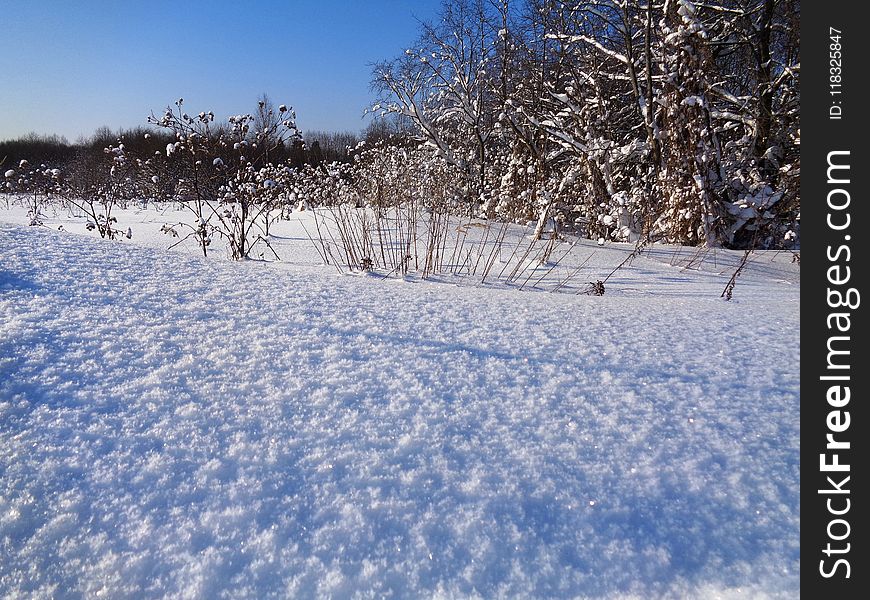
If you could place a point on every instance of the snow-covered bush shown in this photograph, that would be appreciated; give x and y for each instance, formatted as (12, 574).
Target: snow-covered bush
(386, 210)
(225, 174)
(33, 187)
(97, 184)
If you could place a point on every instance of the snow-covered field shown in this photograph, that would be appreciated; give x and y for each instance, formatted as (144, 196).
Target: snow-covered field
(188, 427)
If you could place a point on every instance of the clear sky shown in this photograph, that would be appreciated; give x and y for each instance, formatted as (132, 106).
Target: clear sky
(71, 66)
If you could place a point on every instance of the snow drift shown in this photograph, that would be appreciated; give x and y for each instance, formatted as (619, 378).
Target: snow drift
(190, 428)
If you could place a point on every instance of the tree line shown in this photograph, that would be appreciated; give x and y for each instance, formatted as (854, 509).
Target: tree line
(314, 147)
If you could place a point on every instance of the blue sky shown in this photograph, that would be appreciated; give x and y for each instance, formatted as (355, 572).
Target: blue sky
(72, 66)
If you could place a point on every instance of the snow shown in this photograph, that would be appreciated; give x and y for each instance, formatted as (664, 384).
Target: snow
(686, 9)
(189, 427)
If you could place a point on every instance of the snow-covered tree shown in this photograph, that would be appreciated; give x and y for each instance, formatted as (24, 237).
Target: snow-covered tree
(672, 120)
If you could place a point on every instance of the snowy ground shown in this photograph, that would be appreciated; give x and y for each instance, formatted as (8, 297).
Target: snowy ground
(188, 427)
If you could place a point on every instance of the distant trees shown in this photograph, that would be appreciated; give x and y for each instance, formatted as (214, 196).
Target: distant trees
(385, 126)
(36, 149)
(332, 146)
(56, 151)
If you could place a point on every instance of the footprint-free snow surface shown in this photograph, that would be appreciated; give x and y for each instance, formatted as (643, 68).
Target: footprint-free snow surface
(175, 426)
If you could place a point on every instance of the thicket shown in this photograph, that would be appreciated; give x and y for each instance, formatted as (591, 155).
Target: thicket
(667, 121)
